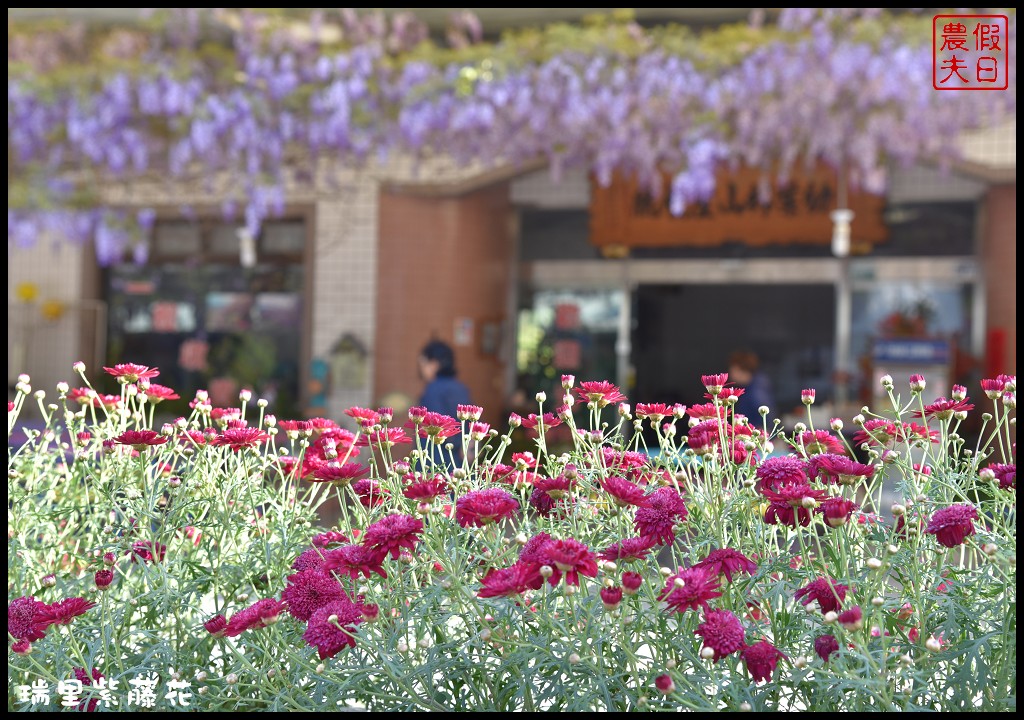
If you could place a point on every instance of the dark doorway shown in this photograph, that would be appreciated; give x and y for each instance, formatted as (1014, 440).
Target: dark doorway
(681, 332)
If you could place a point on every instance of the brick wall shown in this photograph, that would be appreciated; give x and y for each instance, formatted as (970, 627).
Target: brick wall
(999, 259)
(442, 258)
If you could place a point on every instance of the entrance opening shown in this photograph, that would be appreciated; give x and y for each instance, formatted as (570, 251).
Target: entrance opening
(684, 331)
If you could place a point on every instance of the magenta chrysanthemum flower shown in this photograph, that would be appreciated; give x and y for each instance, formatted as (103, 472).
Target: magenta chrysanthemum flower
(690, 588)
(216, 625)
(611, 597)
(659, 515)
(311, 559)
(722, 632)
(726, 561)
(240, 438)
(601, 392)
(761, 660)
(148, 551)
(704, 437)
(334, 472)
(570, 557)
(369, 492)
(391, 534)
(158, 393)
(22, 622)
(438, 427)
(952, 525)
(557, 488)
(631, 582)
(505, 582)
(816, 442)
(826, 646)
(794, 494)
(542, 502)
(852, 619)
(483, 507)
(714, 383)
(62, 612)
(140, 439)
(837, 511)
(332, 628)
(828, 593)
(780, 513)
(361, 414)
(664, 684)
(130, 372)
(260, 614)
(839, 469)
(331, 537)
(355, 560)
(624, 492)
(655, 412)
(635, 548)
(308, 591)
(707, 411)
(1005, 474)
(778, 471)
(103, 578)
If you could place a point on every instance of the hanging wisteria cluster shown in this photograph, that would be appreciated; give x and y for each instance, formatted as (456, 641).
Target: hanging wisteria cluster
(852, 89)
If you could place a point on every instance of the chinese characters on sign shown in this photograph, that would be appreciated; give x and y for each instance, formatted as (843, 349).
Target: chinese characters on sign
(143, 692)
(970, 52)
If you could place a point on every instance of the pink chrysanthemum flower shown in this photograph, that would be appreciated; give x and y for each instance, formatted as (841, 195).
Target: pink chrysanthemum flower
(131, 373)
(557, 488)
(309, 591)
(704, 437)
(505, 582)
(370, 492)
(655, 412)
(332, 628)
(722, 632)
(260, 614)
(826, 646)
(483, 507)
(714, 383)
(321, 425)
(778, 471)
(62, 612)
(140, 439)
(438, 427)
(158, 393)
(876, 431)
(952, 525)
(624, 492)
(22, 618)
(816, 442)
(761, 660)
(391, 534)
(427, 490)
(363, 415)
(570, 557)
(827, 592)
(635, 548)
(222, 416)
(726, 561)
(216, 625)
(601, 392)
(837, 511)
(707, 411)
(353, 561)
(943, 408)
(341, 475)
(659, 515)
(384, 437)
(839, 469)
(690, 589)
(726, 393)
(534, 421)
(241, 438)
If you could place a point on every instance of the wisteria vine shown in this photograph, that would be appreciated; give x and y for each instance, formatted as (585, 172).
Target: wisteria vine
(850, 88)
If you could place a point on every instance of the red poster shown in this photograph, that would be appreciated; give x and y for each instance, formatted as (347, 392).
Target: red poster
(567, 316)
(567, 354)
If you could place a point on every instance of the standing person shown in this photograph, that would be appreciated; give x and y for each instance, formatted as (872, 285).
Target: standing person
(443, 392)
(744, 370)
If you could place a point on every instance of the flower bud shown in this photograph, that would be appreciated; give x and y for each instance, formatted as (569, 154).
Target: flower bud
(933, 644)
(807, 396)
(231, 679)
(836, 424)
(873, 563)
(574, 659)
(886, 381)
(745, 706)
(78, 367)
(830, 617)
(49, 580)
(707, 652)
(763, 410)
(568, 381)
(664, 683)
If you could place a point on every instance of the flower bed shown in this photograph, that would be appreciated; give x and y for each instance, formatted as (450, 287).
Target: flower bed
(181, 566)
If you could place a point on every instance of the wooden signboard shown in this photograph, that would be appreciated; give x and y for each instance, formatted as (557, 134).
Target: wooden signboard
(797, 212)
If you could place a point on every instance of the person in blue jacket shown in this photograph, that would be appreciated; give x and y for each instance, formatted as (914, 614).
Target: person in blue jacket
(443, 392)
